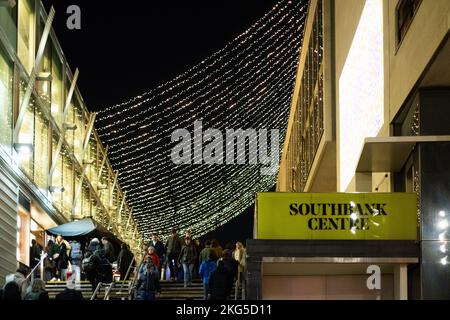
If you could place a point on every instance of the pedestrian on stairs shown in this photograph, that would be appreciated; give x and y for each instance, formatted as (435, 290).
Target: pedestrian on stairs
(148, 282)
(172, 253)
(187, 258)
(207, 267)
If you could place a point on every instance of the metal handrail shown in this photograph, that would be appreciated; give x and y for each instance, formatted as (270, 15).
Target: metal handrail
(133, 282)
(96, 290)
(107, 293)
(43, 256)
(127, 273)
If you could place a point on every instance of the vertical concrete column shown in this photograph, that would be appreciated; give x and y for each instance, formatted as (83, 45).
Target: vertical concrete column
(401, 282)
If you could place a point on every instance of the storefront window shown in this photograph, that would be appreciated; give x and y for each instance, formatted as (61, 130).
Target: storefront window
(6, 92)
(41, 161)
(26, 36)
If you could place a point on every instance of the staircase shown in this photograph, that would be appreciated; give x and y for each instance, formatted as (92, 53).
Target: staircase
(175, 291)
(117, 292)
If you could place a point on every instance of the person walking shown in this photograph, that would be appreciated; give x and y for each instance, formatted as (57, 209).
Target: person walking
(187, 258)
(148, 282)
(220, 282)
(159, 249)
(35, 256)
(76, 257)
(172, 253)
(217, 248)
(240, 256)
(154, 257)
(49, 266)
(109, 250)
(207, 252)
(207, 267)
(70, 293)
(123, 261)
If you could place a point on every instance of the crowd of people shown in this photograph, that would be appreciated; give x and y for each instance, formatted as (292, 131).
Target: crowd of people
(180, 258)
(186, 259)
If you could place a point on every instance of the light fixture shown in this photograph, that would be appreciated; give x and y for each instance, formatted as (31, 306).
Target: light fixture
(442, 236)
(444, 261)
(354, 216)
(44, 76)
(101, 186)
(443, 248)
(56, 189)
(352, 204)
(88, 162)
(353, 230)
(70, 126)
(442, 213)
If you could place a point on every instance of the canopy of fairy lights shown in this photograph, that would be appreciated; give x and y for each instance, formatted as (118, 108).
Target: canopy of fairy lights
(247, 84)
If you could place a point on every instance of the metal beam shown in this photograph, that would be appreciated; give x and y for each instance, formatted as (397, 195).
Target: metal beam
(89, 132)
(63, 119)
(128, 222)
(105, 156)
(78, 191)
(70, 94)
(119, 213)
(116, 175)
(32, 80)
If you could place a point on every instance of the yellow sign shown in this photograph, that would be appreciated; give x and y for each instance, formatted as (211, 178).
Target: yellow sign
(336, 216)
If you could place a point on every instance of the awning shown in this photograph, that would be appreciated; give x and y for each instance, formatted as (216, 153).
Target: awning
(389, 154)
(83, 228)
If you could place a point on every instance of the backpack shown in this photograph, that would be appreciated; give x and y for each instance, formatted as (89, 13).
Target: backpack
(75, 253)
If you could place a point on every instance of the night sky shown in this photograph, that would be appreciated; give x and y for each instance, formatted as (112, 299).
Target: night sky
(126, 48)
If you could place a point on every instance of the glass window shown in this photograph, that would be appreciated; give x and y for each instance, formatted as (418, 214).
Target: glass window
(41, 161)
(70, 120)
(406, 11)
(26, 136)
(57, 87)
(68, 186)
(26, 36)
(43, 87)
(79, 133)
(6, 94)
(8, 22)
(57, 178)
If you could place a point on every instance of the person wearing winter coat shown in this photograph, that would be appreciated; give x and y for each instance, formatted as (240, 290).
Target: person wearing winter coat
(187, 258)
(109, 250)
(124, 260)
(22, 282)
(154, 257)
(206, 268)
(172, 252)
(148, 282)
(220, 282)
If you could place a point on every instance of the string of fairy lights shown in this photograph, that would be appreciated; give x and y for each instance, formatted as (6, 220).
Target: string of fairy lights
(248, 84)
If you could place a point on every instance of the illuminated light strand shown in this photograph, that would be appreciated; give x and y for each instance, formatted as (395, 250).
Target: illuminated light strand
(120, 147)
(126, 184)
(154, 212)
(202, 63)
(165, 112)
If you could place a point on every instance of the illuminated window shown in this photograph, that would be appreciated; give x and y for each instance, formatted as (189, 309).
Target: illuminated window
(56, 87)
(6, 94)
(57, 178)
(26, 136)
(26, 34)
(41, 160)
(406, 10)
